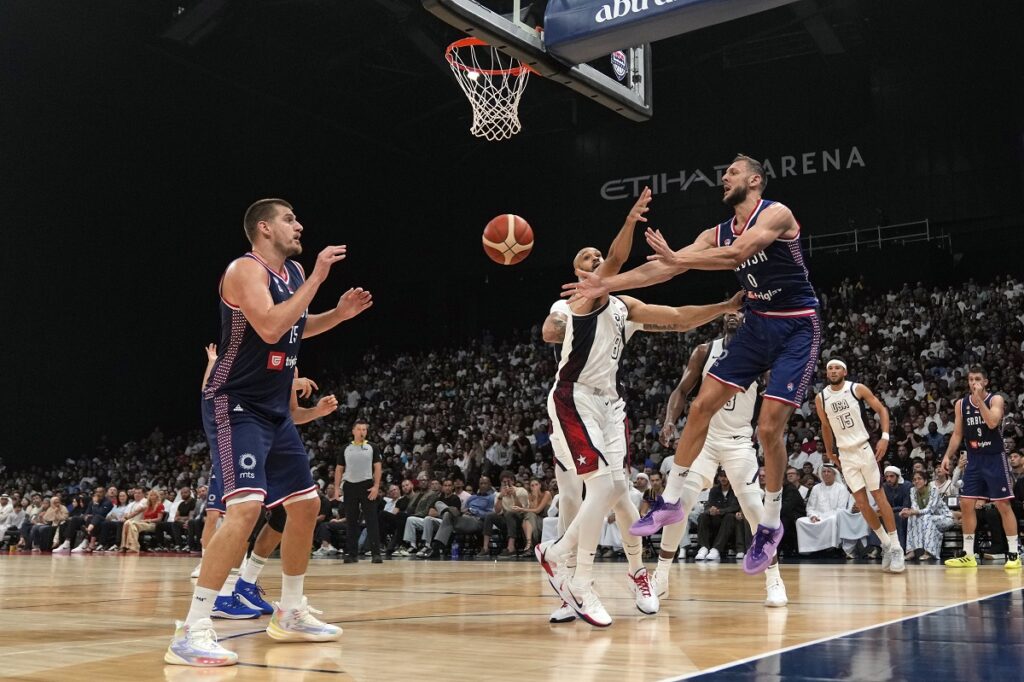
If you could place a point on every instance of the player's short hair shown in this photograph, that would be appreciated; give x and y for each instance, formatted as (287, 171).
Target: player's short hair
(756, 166)
(978, 369)
(259, 211)
(360, 420)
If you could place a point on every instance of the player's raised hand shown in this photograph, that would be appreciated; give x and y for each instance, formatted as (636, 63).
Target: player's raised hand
(325, 259)
(353, 302)
(590, 286)
(736, 302)
(668, 432)
(211, 352)
(327, 404)
(636, 214)
(662, 251)
(304, 387)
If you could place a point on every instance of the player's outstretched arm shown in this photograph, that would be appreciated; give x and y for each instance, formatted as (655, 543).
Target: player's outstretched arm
(592, 285)
(245, 286)
(681, 319)
(351, 303)
(773, 223)
(883, 413)
(826, 431)
(620, 247)
(955, 438)
(677, 400)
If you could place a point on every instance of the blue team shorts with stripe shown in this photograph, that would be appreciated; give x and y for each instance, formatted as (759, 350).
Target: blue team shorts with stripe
(788, 346)
(987, 477)
(254, 455)
(215, 493)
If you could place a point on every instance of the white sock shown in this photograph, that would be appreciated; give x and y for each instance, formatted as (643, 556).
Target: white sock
(251, 570)
(771, 574)
(969, 544)
(291, 590)
(772, 509)
(674, 487)
(664, 565)
(585, 530)
(202, 605)
(1011, 543)
(894, 541)
(883, 537)
(229, 584)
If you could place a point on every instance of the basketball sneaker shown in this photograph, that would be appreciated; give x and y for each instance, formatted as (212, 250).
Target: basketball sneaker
(646, 600)
(197, 645)
(776, 597)
(1012, 561)
(762, 549)
(563, 614)
(897, 562)
(661, 514)
(300, 625)
(659, 581)
(195, 571)
(962, 560)
(887, 555)
(549, 566)
(251, 595)
(232, 608)
(584, 601)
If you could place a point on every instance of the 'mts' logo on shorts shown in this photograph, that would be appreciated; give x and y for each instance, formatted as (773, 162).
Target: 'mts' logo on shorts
(275, 361)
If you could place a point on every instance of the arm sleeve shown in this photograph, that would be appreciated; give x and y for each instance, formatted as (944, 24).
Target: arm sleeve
(376, 455)
(341, 458)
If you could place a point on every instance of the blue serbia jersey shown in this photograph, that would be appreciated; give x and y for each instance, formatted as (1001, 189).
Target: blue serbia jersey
(249, 370)
(979, 438)
(776, 279)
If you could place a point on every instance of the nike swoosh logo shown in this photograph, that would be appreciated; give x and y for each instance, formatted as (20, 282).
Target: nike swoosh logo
(577, 601)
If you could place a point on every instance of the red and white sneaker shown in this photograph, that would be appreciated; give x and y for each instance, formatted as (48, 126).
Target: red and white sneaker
(646, 600)
(584, 601)
(563, 614)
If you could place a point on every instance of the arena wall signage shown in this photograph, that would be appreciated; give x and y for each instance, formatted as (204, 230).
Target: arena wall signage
(806, 163)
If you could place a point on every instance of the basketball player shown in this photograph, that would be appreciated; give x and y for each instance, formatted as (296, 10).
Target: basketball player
(257, 453)
(782, 333)
(588, 420)
(979, 418)
(729, 446)
(841, 411)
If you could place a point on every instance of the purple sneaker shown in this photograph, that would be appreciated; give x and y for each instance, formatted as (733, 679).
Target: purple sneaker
(661, 514)
(762, 549)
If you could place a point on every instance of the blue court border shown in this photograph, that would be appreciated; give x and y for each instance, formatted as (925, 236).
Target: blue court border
(971, 640)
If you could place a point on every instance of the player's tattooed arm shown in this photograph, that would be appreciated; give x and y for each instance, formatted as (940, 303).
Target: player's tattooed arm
(553, 330)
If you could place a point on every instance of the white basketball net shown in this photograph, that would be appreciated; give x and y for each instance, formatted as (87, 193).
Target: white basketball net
(493, 83)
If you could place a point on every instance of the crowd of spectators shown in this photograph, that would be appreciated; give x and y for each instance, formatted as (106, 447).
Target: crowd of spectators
(472, 416)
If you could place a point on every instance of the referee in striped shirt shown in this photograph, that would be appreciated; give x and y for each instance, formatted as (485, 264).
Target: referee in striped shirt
(357, 476)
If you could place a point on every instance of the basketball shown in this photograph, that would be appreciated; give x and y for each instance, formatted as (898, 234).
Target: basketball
(508, 239)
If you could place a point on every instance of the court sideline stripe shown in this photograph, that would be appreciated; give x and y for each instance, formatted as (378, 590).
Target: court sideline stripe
(821, 640)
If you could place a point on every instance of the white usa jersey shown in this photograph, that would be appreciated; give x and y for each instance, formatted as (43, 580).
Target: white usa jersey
(593, 346)
(736, 418)
(845, 414)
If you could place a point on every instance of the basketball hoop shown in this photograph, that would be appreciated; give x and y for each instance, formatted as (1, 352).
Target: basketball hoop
(493, 83)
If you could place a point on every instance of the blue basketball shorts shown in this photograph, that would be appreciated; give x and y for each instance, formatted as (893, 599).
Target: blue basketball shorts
(987, 477)
(215, 493)
(788, 346)
(254, 455)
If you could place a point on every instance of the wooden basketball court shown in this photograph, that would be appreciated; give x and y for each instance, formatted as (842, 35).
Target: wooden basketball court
(110, 618)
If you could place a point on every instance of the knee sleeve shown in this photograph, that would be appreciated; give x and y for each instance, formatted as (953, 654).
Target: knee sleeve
(276, 518)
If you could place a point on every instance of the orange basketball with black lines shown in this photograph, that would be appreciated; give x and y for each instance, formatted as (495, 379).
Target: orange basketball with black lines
(508, 239)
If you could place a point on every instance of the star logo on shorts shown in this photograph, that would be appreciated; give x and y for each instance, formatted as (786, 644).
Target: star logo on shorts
(582, 460)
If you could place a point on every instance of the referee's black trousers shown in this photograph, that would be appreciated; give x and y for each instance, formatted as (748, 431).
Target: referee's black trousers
(356, 504)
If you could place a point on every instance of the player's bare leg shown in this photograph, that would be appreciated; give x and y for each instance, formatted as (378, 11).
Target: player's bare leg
(969, 524)
(771, 424)
(209, 528)
(883, 525)
(681, 494)
(292, 620)
(1010, 528)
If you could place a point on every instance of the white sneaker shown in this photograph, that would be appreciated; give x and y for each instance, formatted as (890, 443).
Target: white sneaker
(713, 555)
(777, 597)
(886, 558)
(197, 646)
(702, 554)
(563, 614)
(897, 564)
(322, 553)
(195, 571)
(739, 556)
(646, 600)
(64, 547)
(659, 581)
(300, 625)
(585, 602)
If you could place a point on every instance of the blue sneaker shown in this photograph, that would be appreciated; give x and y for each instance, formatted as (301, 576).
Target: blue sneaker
(251, 595)
(300, 625)
(232, 608)
(197, 646)
(762, 549)
(661, 514)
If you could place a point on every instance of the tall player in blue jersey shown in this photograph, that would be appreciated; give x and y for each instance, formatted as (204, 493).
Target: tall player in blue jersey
(782, 332)
(257, 454)
(979, 426)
